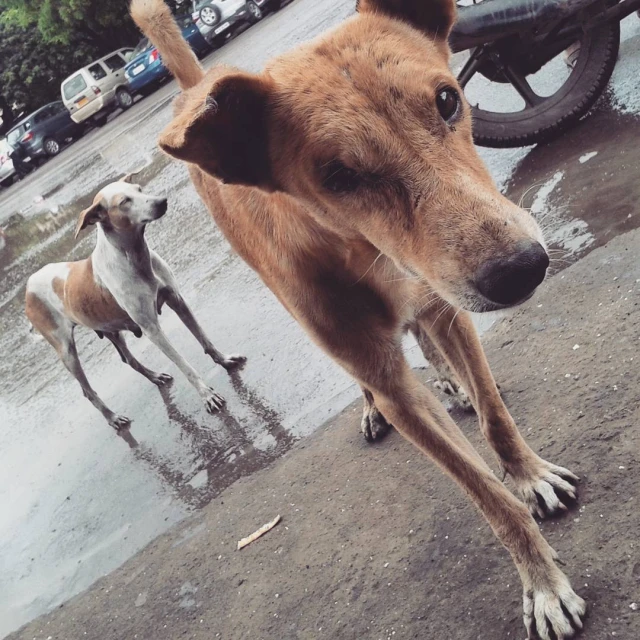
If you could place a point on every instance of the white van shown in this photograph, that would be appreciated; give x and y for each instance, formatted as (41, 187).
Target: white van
(97, 89)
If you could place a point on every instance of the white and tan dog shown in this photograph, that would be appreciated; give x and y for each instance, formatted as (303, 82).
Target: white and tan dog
(121, 286)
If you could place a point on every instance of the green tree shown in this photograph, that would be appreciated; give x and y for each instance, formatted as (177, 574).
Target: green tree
(103, 25)
(31, 70)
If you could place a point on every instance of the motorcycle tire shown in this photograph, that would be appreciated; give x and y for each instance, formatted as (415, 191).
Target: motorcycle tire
(560, 111)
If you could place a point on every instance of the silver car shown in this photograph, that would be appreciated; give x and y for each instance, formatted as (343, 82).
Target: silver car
(215, 18)
(97, 89)
(7, 170)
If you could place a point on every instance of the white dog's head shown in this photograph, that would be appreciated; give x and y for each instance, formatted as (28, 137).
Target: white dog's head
(122, 207)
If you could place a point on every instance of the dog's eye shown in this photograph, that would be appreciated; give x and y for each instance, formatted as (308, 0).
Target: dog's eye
(124, 201)
(448, 103)
(341, 179)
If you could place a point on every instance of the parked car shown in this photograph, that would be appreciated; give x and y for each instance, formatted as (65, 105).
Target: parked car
(145, 71)
(96, 90)
(216, 18)
(43, 133)
(7, 170)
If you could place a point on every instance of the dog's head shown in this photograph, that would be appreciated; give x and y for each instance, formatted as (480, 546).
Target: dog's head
(122, 207)
(369, 129)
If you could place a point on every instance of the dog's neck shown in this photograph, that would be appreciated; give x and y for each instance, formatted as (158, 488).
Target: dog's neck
(130, 248)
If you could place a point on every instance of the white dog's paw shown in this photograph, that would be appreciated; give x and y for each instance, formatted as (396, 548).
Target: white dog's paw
(553, 615)
(234, 361)
(161, 379)
(457, 394)
(119, 422)
(547, 489)
(212, 401)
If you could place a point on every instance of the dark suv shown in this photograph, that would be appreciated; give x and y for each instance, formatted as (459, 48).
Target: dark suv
(42, 133)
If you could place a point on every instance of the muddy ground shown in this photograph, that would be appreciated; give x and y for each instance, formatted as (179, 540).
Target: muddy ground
(377, 543)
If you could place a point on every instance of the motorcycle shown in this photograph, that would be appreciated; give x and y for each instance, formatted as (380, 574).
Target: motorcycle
(518, 45)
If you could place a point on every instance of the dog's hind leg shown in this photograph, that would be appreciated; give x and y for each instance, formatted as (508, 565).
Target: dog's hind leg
(181, 308)
(373, 424)
(545, 487)
(64, 343)
(446, 381)
(118, 341)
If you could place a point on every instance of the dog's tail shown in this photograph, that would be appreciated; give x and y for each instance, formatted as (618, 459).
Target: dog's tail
(156, 22)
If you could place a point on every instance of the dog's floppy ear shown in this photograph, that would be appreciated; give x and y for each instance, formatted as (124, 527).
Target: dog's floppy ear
(129, 177)
(222, 128)
(434, 17)
(89, 216)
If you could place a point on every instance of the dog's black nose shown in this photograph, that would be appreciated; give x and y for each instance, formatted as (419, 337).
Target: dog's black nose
(508, 280)
(162, 207)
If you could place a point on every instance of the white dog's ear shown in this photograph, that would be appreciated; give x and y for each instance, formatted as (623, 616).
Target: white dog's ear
(93, 214)
(129, 177)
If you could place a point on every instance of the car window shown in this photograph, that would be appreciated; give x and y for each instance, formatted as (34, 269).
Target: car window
(126, 54)
(13, 137)
(114, 62)
(184, 21)
(57, 107)
(41, 116)
(143, 45)
(74, 86)
(97, 71)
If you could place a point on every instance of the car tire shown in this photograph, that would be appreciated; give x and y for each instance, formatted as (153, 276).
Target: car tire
(210, 15)
(51, 147)
(124, 98)
(255, 12)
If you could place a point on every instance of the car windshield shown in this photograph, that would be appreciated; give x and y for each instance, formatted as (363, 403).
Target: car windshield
(74, 86)
(143, 45)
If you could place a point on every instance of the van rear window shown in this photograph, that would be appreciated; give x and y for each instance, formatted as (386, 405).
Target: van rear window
(73, 87)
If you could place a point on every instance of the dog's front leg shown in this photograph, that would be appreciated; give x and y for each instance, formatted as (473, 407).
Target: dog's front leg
(182, 310)
(545, 487)
(151, 328)
(551, 608)
(372, 353)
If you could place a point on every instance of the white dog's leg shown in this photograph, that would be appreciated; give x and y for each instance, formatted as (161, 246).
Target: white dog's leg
(154, 332)
(119, 343)
(181, 308)
(66, 348)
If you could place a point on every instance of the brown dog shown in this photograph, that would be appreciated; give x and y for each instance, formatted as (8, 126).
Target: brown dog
(346, 176)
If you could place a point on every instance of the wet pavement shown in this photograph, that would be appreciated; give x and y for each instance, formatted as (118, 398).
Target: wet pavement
(76, 500)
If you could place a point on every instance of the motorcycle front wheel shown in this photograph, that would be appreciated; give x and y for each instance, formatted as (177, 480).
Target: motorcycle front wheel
(521, 110)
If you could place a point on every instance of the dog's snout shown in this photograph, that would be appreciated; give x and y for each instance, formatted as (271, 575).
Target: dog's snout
(511, 279)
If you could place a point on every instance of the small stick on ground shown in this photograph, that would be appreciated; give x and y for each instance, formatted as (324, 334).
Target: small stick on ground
(260, 532)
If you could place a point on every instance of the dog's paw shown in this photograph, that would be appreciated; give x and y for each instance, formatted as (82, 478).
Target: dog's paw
(119, 422)
(457, 394)
(547, 489)
(232, 362)
(161, 379)
(553, 614)
(374, 426)
(212, 401)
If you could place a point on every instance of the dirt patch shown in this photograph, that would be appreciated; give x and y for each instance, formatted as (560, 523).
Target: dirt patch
(376, 543)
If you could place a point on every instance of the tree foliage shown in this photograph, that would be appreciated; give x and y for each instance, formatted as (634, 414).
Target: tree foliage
(101, 24)
(31, 70)
(44, 41)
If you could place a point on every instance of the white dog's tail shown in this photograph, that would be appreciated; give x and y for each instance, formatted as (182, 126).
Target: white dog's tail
(156, 22)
